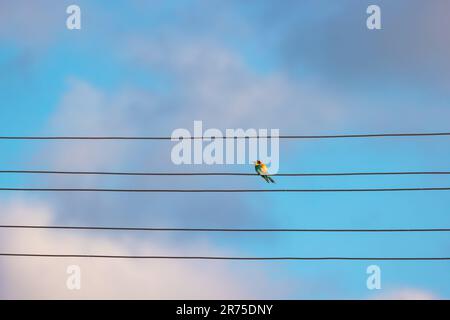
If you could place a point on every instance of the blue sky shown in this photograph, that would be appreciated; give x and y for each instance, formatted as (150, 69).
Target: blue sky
(304, 67)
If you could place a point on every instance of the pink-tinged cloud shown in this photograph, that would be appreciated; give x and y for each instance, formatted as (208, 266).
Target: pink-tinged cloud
(35, 278)
(407, 294)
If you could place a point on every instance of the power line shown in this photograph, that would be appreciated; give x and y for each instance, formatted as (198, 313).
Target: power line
(154, 257)
(371, 135)
(116, 173)
(218, 229)
(222, 190)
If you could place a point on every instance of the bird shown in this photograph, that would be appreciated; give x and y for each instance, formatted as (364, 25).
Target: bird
(261, 169)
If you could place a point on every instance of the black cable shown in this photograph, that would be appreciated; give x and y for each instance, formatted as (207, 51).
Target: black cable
(218, 229)
(220, 257)
(116, 173)
(372, 135)
(220, 190)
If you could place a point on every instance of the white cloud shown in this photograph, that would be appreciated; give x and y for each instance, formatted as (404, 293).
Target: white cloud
(213, 84)
(35, 278)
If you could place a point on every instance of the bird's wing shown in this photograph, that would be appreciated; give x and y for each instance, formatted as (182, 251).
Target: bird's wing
(263, 169)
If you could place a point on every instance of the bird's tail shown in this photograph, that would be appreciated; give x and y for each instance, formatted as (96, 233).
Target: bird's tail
(270, 179)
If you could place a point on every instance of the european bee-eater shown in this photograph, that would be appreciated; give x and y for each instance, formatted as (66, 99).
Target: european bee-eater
(261, 169)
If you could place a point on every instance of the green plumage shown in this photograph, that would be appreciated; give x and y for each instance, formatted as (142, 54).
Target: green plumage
(259, 170)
